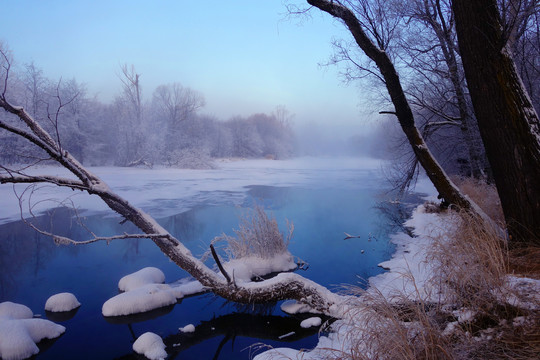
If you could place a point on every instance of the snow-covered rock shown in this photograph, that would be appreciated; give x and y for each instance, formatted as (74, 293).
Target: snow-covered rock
(62, 302)
(188, 328)
(150, 345)
(19, 332)
(147, 275)
(311, 322)
(145, 298)
(11, 310)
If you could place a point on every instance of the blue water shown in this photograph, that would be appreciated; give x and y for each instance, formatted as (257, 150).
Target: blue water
(32, 268)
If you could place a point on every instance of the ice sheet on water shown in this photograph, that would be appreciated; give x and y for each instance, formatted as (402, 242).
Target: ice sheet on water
(165, 191)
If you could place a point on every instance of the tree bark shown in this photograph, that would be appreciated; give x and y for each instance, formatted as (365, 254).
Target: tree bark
(434, 171)
(508, 122)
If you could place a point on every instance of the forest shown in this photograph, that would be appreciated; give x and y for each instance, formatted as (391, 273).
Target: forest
(167, 129)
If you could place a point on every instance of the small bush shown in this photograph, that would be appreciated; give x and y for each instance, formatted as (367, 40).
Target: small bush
(258, 235)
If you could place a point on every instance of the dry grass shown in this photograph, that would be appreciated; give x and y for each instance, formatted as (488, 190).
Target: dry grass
(258, 235)
(470, 269)
(484, 195)
(397, 328)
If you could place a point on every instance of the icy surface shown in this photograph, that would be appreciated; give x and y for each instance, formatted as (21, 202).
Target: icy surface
(150, 345)
(188, 328)
(163, 192)
(62, 302)
(147, 275)
(19, 332)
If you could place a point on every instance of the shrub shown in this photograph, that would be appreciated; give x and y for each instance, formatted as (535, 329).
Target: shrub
(258, 235)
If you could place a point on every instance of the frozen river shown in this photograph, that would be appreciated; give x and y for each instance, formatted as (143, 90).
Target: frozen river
(324, 198)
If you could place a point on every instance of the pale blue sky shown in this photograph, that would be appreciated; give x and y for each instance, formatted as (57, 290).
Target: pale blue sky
(243, 55)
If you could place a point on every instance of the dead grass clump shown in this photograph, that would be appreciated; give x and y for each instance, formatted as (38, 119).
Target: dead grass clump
(396, 328)
(471, 264)
(525, 261)
(484, 195)
(258, 235)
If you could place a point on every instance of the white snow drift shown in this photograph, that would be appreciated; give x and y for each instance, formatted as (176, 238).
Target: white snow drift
(150, 345)
(62, 302)
(20, 332)
(144, 292)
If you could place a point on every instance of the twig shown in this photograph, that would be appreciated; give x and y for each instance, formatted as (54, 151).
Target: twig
(218, 262)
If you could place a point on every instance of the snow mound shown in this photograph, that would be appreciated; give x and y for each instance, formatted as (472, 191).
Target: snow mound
(311, 322)
(62, 302)
(147, 275)
(187, 329)
(10, 310)
(150, 345)
(292, 307)
(188, 286)
(142, 299)
(19, 332)
(247, 268)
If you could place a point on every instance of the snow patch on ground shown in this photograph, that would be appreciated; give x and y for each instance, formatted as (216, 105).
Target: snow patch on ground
(19, 332)
(150, 345)
(62, 302)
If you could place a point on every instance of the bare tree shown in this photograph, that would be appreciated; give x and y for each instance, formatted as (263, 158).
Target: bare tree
(508, 122)
(372, 35)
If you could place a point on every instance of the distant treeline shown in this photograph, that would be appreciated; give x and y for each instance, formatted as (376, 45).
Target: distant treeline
(166, 130)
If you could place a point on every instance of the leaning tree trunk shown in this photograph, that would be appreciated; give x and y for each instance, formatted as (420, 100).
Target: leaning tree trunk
(507, 120)
(434, 171)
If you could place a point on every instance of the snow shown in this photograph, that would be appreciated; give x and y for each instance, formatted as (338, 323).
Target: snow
(144, 292)
(10, 310)
(311, 322)
(150, 345)
(188, 328)
(147, 275)
(144, 298)
(188, 287)
(294, 307)
(62, 302)
(408, 274)
(19, 332)
(246, 268)
(165, 192)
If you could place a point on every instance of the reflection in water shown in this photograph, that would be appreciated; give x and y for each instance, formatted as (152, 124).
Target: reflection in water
(32, 268)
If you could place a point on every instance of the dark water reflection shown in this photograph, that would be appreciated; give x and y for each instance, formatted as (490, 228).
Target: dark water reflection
(32, 268)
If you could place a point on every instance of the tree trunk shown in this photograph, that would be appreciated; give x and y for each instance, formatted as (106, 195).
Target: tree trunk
(434, 171)
(507, 120)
